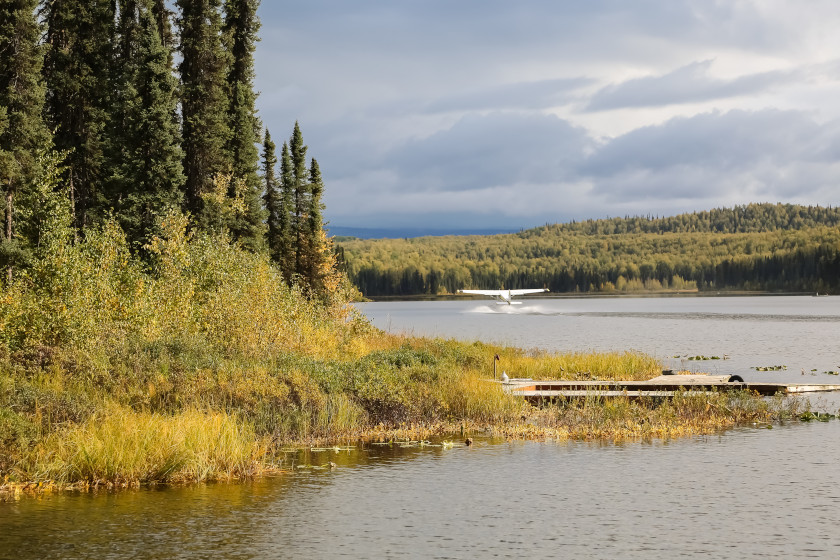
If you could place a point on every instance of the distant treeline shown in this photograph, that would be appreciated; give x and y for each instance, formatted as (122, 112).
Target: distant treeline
(766, 247)
(752, 218)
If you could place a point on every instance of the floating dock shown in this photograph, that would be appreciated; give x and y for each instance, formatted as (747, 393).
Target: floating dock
(664, 386)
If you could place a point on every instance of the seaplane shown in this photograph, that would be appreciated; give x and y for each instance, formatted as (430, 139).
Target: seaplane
(504, 296)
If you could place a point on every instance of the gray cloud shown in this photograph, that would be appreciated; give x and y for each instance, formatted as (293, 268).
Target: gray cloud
(765, 153)
(440, 111)
(502, 168)
(541, 94)
(340, 55)
(487, 151)
(690, 83)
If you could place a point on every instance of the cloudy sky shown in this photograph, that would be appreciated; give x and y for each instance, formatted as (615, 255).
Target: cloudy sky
(510, 114)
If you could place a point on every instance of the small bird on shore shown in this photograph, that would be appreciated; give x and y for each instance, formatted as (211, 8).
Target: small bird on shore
(468, 441)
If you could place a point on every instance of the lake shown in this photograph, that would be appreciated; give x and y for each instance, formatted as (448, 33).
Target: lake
(799, 333)
(749, 492)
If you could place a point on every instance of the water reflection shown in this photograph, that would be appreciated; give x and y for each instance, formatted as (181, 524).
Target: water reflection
(767, 493)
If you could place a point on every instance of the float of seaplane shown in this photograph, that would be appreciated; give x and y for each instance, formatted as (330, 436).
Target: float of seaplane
(504, 297)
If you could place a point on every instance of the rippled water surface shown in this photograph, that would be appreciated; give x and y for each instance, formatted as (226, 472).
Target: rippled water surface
(750, 492)
(800, 333)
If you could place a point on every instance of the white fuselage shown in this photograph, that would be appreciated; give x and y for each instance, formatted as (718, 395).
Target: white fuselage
(505, 297)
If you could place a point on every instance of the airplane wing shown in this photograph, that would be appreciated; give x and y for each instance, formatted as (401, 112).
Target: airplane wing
(503, 293)
(491, 293)
(527, 291)
(504, 296)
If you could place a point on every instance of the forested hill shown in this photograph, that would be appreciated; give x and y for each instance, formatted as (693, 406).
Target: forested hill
(768, 247)
(752, 218)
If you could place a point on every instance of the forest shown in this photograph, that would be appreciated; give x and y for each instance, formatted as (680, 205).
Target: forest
(128, 112)
(756, 247)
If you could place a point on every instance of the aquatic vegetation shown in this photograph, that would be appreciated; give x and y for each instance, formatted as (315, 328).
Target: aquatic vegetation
(808, 416)
(770, 368)
(616, 419)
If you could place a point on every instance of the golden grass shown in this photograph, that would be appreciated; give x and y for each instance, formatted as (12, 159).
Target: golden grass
(125, 446)
(625, 366)
(687, 413)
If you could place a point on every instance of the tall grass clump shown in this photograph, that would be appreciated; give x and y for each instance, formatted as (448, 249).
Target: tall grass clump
(124, 446)
(610, 366)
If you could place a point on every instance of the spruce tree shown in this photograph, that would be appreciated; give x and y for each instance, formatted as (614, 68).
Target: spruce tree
(240, 35)
(77, 70)
(314, 246)
(271, 197)
(145, 156)
(286, 238)
(163, 16)
(22, 130)
(304, 253)
(204, 101)
(299, 190)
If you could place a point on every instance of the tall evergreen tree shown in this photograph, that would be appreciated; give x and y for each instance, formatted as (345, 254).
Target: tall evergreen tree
(77, 69)
(240, 34)
(271, 196)
(304, 253)
(22, 130)
(163, 16)
(145, 157)
(204, 101)
(299, 189)
(286, 238)
(314, 248)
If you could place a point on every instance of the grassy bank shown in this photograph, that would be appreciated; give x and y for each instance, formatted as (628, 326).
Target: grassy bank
(200, 364)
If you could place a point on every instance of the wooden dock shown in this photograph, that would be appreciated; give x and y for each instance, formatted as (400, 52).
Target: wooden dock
(664, 386)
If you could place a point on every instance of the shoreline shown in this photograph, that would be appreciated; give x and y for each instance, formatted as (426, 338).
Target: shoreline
(613, 421)
(597, 295)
